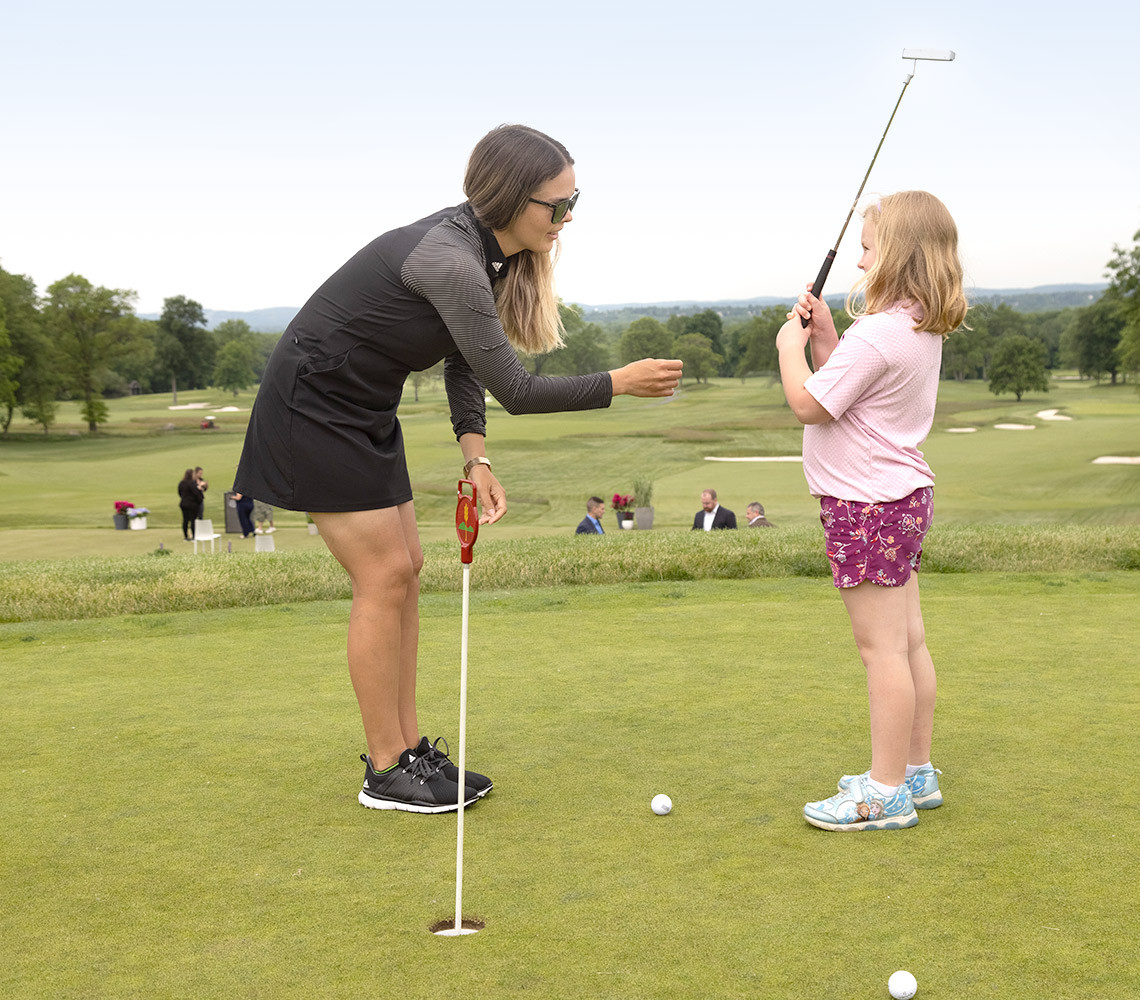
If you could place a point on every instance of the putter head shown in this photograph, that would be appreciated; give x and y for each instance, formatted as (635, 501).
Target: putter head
(933, 55)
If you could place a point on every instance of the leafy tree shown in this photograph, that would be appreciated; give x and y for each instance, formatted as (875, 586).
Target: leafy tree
(25, 352)
(1124, 292)
(85, 324)
(754, 343)
(708, 323)
(1047, 326)
(39, 403)
(236, 361)
(10, 365)
(135, 356)
(233, 329)
(645, 338)
(695, 350)
(1018, 366)
(966, 351)
(1005, 321)
(233, 367)
(185, 348)
(585, 351)
(1091, 339)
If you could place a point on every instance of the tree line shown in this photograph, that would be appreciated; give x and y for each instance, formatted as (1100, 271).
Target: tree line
(1013, 351)
(85, 343)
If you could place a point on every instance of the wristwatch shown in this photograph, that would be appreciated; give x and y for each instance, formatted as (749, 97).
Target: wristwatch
(477, 460)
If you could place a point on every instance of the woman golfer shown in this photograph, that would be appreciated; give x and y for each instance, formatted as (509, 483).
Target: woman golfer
(867, 408)
(467, 285)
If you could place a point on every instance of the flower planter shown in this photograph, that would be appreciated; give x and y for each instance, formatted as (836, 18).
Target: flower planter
(137, 523)
(625, 519)
(643, 516)
(121, 522)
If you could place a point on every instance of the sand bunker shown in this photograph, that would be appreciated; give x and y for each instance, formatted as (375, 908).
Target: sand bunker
(1051, 415)
(1116, 460)
(961, 430)
(233, 409)
(1014, 427)
(757, 458)
(191, 406)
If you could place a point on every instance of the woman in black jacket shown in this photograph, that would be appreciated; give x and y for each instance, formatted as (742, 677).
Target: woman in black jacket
(190, 502)
(467, 285)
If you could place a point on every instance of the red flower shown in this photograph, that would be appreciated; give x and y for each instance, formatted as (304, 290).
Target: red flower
(622, 501)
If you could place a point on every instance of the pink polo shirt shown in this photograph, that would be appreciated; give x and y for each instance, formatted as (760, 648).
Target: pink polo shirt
(880, 386)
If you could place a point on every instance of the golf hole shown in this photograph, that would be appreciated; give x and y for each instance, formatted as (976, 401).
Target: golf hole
(446, 927)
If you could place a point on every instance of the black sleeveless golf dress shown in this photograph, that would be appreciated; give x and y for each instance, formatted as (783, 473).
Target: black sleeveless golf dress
(323, 433)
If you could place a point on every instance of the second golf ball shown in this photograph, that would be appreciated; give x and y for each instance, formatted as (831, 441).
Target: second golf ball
(661, 804)
(902, 985)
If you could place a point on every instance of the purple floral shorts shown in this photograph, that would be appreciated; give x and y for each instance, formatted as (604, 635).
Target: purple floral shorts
(879, 542)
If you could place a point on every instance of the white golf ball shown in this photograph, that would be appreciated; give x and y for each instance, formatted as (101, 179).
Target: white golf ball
(902, 985)
(661, 804)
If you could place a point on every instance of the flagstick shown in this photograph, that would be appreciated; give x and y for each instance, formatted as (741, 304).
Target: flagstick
(462, 750)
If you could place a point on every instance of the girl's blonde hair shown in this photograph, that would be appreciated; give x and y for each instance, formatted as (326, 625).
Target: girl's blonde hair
(916, 262)
(506, 167)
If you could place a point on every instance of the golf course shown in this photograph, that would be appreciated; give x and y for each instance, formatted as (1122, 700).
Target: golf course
(180, 768)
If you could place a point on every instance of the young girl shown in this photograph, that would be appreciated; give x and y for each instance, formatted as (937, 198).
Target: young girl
(867, 408)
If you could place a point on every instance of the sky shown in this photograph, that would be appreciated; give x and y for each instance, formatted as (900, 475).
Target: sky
(238, 152)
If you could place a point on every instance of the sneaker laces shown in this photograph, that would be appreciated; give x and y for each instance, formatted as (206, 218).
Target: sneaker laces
(434, 752)
(423, 768)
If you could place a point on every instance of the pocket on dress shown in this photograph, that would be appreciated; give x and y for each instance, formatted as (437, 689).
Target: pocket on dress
(321, 366)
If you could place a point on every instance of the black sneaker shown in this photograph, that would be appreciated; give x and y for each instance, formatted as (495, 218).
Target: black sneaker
(413, 784)
(479, 783)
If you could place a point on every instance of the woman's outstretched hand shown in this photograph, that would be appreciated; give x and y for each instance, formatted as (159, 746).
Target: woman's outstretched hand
(649, 377)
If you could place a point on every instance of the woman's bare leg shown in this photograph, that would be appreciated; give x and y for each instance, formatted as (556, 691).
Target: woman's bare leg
(380, 550)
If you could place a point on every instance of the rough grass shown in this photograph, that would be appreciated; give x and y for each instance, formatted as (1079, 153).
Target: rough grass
(110, 586)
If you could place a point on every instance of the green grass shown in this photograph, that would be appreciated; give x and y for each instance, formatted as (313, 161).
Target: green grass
(179, 769)
(177, 793)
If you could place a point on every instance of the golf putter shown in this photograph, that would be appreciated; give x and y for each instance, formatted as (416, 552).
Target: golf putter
(931, 55)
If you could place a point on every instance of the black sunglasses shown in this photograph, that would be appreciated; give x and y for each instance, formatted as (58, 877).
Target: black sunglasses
(558, 209)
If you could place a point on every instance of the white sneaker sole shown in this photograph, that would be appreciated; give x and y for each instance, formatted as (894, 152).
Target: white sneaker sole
(888, 823)
(369, 802)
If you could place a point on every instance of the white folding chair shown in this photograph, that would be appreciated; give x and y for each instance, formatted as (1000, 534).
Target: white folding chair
(263, 543)
(204, 532)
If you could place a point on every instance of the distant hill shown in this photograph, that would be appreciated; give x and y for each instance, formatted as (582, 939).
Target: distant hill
(274, 320)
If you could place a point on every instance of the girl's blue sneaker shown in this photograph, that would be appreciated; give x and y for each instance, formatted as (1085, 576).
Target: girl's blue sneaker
(923, 786)
(859, 807)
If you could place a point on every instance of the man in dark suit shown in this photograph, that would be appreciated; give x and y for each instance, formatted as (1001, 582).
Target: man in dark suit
(712, 515)
(591, 524)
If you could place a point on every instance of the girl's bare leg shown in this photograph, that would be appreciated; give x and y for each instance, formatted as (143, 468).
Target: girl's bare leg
(879, 622)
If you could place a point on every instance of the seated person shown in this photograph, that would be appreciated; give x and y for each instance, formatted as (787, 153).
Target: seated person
(591, 524)
(756, 518)
(712, 515)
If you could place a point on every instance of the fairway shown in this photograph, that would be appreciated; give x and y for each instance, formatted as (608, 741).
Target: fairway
(180, 818)
(550, 463)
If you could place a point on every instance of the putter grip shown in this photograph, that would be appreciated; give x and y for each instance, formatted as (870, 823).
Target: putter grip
(821, 278)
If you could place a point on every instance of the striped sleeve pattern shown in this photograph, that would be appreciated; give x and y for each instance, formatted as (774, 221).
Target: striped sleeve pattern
(447, 268)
